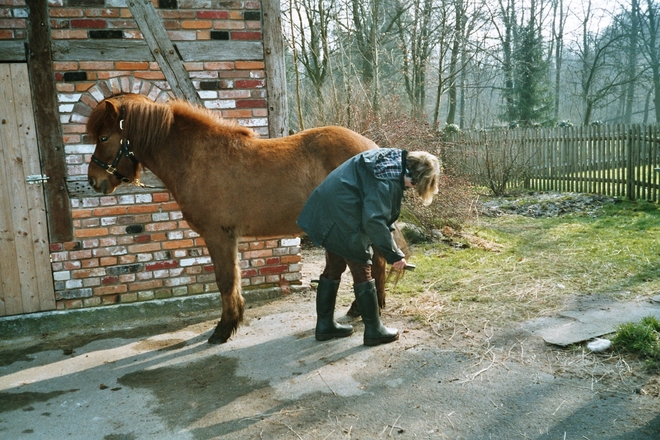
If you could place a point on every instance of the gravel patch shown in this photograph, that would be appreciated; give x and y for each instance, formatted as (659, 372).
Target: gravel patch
(551, 204)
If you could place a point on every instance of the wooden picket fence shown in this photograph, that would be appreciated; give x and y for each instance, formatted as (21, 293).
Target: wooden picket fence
(615, 160)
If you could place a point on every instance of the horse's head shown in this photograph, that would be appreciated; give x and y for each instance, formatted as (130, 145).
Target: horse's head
(113, 162)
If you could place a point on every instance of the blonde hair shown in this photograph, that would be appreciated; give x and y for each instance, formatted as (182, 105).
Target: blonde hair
(425, 172)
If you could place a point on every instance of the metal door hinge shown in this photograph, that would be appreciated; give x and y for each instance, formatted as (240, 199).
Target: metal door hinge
(36, 179)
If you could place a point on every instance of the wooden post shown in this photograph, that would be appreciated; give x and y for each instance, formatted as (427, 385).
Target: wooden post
(275, 71)
(162, 49)
(49, 135)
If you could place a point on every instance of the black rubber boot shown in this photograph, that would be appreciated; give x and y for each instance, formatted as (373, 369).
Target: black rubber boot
(326, 326)
(374, 331)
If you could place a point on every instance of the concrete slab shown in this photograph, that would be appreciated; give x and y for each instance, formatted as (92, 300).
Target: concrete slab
(590, 321)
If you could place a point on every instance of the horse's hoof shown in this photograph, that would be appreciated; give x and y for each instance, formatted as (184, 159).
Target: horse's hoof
(217, 338)
(354, 310)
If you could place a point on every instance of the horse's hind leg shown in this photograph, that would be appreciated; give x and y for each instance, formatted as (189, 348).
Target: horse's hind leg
(378, 273)
(224, 254)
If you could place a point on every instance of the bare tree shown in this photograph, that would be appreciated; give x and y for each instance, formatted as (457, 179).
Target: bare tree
(650, 32)
(632, 72)
(314, 17)
(599, 76)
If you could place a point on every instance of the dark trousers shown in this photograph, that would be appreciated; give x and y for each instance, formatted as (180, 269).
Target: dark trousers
(336, 265)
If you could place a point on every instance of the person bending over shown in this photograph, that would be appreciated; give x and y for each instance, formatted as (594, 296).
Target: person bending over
(353, 210)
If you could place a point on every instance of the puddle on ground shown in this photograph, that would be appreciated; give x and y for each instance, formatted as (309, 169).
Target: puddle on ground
(14, 401)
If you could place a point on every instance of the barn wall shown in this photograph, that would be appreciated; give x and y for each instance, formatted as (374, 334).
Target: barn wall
(134, 245)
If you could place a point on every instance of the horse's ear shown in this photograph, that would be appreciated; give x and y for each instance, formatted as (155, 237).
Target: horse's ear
(112, 109)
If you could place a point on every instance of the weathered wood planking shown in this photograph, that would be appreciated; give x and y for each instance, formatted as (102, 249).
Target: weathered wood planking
(10, 303)
(24, 226)
(136, 50)
(12, 51)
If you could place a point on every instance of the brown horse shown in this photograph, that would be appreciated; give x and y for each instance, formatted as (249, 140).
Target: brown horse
(227, 181)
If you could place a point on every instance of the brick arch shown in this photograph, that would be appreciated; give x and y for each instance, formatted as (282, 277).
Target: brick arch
(107, 88)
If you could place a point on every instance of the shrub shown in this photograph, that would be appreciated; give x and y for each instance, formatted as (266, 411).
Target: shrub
(455, 201)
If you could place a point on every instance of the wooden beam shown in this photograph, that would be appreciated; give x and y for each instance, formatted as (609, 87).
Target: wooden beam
(49, 135)
(275, 71)
(136, 50)
(163, 50)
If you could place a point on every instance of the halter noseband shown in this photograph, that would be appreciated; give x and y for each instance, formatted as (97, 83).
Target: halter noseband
(123, 151)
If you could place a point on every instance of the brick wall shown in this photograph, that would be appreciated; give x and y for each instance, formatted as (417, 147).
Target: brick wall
(135, 245)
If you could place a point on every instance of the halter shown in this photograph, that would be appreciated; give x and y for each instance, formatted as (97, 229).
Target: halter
(123, 151)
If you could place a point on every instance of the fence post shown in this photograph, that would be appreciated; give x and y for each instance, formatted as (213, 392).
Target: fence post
(630, 171)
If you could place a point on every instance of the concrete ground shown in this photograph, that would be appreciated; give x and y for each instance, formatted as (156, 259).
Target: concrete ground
(273, 380)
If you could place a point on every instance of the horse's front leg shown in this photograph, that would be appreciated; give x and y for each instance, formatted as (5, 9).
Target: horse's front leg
(224, 253)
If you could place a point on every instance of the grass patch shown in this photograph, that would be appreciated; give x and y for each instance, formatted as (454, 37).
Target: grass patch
(642, 339)
(542, 261)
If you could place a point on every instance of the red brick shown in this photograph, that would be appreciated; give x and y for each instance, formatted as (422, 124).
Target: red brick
(109, 211)
(87, 273)
(56, 247)
(161, 236)
(249, 83)
(65, 65)
(249, 273)
(170, 206)
(272, 261)
(81, 213)
(250, 65)
(245, 35)
(213, 15)
(139, 209)
(108, 261)
(162, 226)
(141, 248)
(109, 280)
(160, 197)
(88, 24)
(13, 23)
(92, 232)
(257, 254)
(106, 290)
(250, 103)
(177, 244)
(149, 75)
(89, 262)
(146, 285)
(97, 65)
(109, 299)
(143, 238)
(268, 270)
(160, 265)
(125, 65)
(291, 259)
(196, 24)
(65, 12)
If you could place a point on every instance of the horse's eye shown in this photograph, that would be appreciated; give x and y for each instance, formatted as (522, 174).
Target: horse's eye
(104, 138)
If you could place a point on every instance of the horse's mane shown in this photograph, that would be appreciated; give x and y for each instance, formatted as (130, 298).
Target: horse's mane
(147, 124)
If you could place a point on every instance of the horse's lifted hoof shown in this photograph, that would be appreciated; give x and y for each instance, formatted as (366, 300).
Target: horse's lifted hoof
(354, 310)
(219, 336)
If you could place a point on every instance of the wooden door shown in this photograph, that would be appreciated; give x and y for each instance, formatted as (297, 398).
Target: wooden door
(26, 280)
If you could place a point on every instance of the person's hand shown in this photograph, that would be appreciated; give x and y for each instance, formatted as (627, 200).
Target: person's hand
(399, 265)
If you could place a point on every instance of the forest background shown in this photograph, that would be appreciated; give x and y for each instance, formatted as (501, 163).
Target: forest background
(472, 64)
